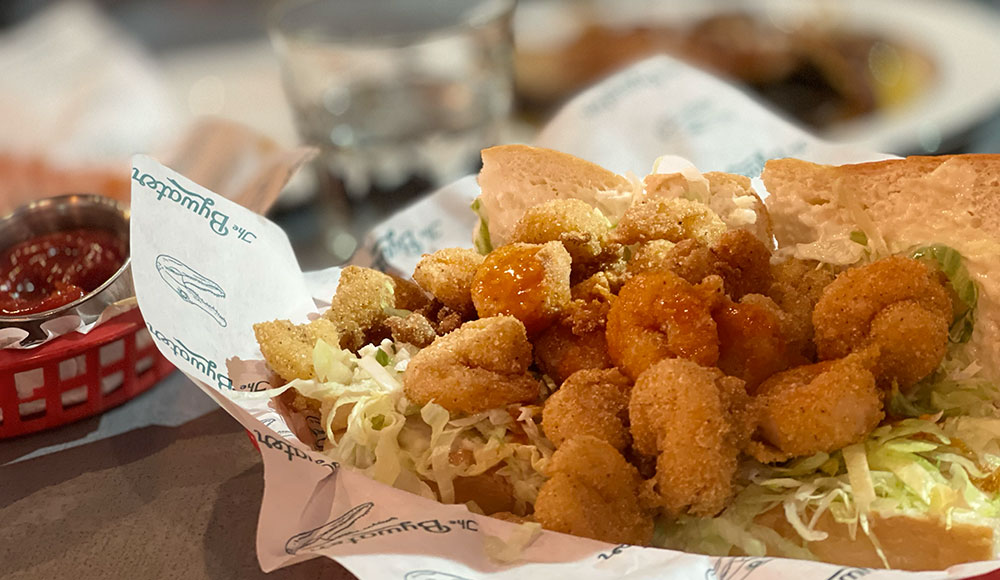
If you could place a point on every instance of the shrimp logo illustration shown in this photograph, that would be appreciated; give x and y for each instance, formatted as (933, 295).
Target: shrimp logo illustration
(431, 575)
(329, 533)
(736, 568)
(189, 285)
(342, 530)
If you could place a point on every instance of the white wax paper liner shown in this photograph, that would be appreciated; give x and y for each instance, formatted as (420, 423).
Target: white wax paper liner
(206, 269)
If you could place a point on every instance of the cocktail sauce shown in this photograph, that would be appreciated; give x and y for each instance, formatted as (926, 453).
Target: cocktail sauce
(51, 270)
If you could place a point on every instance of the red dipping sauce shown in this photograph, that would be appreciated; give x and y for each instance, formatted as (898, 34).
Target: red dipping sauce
(52, 270)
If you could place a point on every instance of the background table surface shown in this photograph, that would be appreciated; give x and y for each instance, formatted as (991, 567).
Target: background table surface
(166, 486)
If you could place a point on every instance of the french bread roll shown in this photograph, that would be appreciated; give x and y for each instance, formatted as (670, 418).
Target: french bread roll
(907, 543)
(815, 211)
(730, 196)
(516, 177)
(898, 204)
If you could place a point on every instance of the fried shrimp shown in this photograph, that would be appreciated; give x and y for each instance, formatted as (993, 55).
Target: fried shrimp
(747, 263)
(527, 281)
(447, 274)
(482, 365)
(659, 315)
(669, 219)
(582, 229)
(912, 341)
(591, 300)
(692, 419)
(413, 329)
(796, 287)
(897, 304)
(589, 402)
(819, 407)
(752, 343)
(358, 307)
(288, 348)
(738, 257)
(654, 255)
(593, 492)
(577, 342)
(407, 295)
(560, 351)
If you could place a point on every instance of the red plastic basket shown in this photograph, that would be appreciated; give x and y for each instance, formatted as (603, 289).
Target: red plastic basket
(77, 375)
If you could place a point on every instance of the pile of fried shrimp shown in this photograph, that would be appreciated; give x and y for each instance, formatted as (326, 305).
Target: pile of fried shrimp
(676, 346)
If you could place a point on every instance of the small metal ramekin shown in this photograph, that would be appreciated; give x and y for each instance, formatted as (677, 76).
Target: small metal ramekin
(69, 212)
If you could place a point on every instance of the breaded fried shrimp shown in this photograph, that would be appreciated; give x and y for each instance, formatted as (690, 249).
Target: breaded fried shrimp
(747, 263)
(738, 257)
(589, 402)
(912, 341)
(582, 229)
(659, 315)
(482, 365)
(819, 407)
(669, 219)
(357, 309)
(593, 492)
(691, 418)
(560, 351)
(413, 329)
(752, 343)
(796, 287)
(651, 256)
(851, 314)
(527, 281)
(591, 300)
(288, 348)
(407, 295)
(447, 274)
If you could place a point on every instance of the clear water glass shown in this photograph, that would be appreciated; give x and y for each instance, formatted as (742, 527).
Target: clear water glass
(393, 91)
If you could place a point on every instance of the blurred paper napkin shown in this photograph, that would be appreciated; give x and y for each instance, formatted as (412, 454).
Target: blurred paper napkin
(79, 96)
(206, 270)
(80, 90)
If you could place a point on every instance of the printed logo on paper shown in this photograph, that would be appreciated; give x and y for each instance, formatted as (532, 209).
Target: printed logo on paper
(736, 568)
(199, 205)
(290, 451)
(191, 286)
(205, 366)
(347, 529)
(396, 244)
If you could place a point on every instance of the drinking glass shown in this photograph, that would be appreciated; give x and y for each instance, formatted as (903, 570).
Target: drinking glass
(396, 91)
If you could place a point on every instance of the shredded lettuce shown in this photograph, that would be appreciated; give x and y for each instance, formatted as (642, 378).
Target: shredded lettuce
(966, 293)
(912, 466)
(956, 388)
(372, 427)
(481, 236)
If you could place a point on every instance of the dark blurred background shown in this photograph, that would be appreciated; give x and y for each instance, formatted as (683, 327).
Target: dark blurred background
(214, 58)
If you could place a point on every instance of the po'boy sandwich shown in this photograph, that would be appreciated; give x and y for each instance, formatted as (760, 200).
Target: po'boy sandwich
(636, 361)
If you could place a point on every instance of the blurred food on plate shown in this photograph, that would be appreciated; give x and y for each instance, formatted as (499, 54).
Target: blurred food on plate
(818, 73)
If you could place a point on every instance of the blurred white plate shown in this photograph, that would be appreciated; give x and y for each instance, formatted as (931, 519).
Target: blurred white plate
(961, 37)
